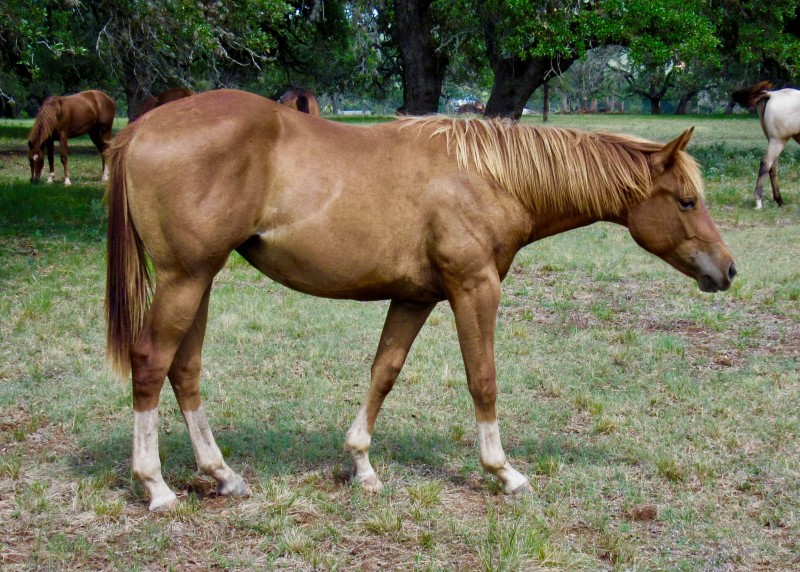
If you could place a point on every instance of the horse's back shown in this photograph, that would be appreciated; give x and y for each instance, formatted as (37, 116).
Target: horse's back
(89, 108)
(328, 209)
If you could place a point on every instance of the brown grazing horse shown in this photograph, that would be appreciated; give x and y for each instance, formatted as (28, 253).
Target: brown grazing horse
(63, 117)
(779, 112)
(301, 100)
(166, 96)
(416, 211)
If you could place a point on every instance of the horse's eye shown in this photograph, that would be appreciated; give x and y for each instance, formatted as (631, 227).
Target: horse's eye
(686, 204)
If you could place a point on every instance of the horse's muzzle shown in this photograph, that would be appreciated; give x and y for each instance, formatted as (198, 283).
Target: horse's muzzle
(708, 283)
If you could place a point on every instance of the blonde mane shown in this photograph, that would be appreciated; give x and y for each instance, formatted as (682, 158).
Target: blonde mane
(562, 170)
(46, 121)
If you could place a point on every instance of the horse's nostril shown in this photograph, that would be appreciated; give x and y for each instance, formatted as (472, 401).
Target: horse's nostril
(731, 271)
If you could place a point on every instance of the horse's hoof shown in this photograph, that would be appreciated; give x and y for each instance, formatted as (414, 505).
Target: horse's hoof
(371, 484)
(758, 205)
(163, 503)
(67, 182)
(233, 488)
(523, 489)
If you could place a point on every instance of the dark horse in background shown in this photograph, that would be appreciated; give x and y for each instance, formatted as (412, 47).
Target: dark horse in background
(779, 112)
(166, 96)
(63, 117)
(417, 211)
(301, 100)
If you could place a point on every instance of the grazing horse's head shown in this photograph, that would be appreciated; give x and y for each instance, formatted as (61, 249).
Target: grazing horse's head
(673, 222)
(36, 160)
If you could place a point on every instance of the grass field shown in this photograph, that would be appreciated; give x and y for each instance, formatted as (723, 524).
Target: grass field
(659, 425)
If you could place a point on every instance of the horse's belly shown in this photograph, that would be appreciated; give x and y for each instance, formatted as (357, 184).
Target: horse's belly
(341, 269)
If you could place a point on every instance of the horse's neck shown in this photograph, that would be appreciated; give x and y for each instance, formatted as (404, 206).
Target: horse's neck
(44, 129)
(552, 224)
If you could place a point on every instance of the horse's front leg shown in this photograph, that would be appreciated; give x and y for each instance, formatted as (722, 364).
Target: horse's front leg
(64, 150)
(774, 149)
(184, 375)
(403, 322)
(475, 302)
(51, 160)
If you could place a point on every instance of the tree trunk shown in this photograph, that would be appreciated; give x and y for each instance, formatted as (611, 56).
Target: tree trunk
(135, 92)
(546, 104)
(655, 105)
(423, 65)
(515, 79)
(683, 102)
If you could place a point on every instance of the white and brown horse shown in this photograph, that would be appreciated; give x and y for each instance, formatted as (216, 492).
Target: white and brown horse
(416, 211)
(63, 117)
(779, 112)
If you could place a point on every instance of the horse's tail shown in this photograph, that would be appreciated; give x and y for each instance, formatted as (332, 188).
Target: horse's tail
(128, 281)
(751, 96)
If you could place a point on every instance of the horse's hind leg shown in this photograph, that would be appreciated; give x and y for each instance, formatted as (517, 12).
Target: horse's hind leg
(774, 149)
(172, 314)
(100, 140)
(64, 150)
(403, 322)
(773, 179)
(184, 375)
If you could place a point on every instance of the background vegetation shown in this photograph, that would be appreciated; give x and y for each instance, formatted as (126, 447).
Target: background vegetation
(418, 56)
(659, 425)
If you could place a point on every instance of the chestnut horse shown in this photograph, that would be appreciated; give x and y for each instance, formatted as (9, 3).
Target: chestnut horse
(416, 211)
(779, 112)
(63, 117)
(166, 96)
(301, 100)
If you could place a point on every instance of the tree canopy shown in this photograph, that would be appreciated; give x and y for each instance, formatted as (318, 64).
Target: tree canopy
(413, 55)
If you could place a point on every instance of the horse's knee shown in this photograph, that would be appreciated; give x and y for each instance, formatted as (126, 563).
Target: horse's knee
(483, 391)
(384, 376)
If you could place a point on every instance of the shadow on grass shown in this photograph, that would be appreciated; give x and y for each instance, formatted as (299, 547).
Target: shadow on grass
(51, 210)
(283, 448)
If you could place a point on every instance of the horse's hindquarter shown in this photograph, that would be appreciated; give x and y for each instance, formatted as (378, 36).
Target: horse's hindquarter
(781, 119)
(82, 111)
(327, 209)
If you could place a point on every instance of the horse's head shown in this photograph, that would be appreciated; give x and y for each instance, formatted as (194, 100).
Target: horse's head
(36, 160)
(673, 222)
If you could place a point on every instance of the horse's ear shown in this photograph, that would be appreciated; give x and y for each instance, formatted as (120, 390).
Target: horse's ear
(665, 157)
